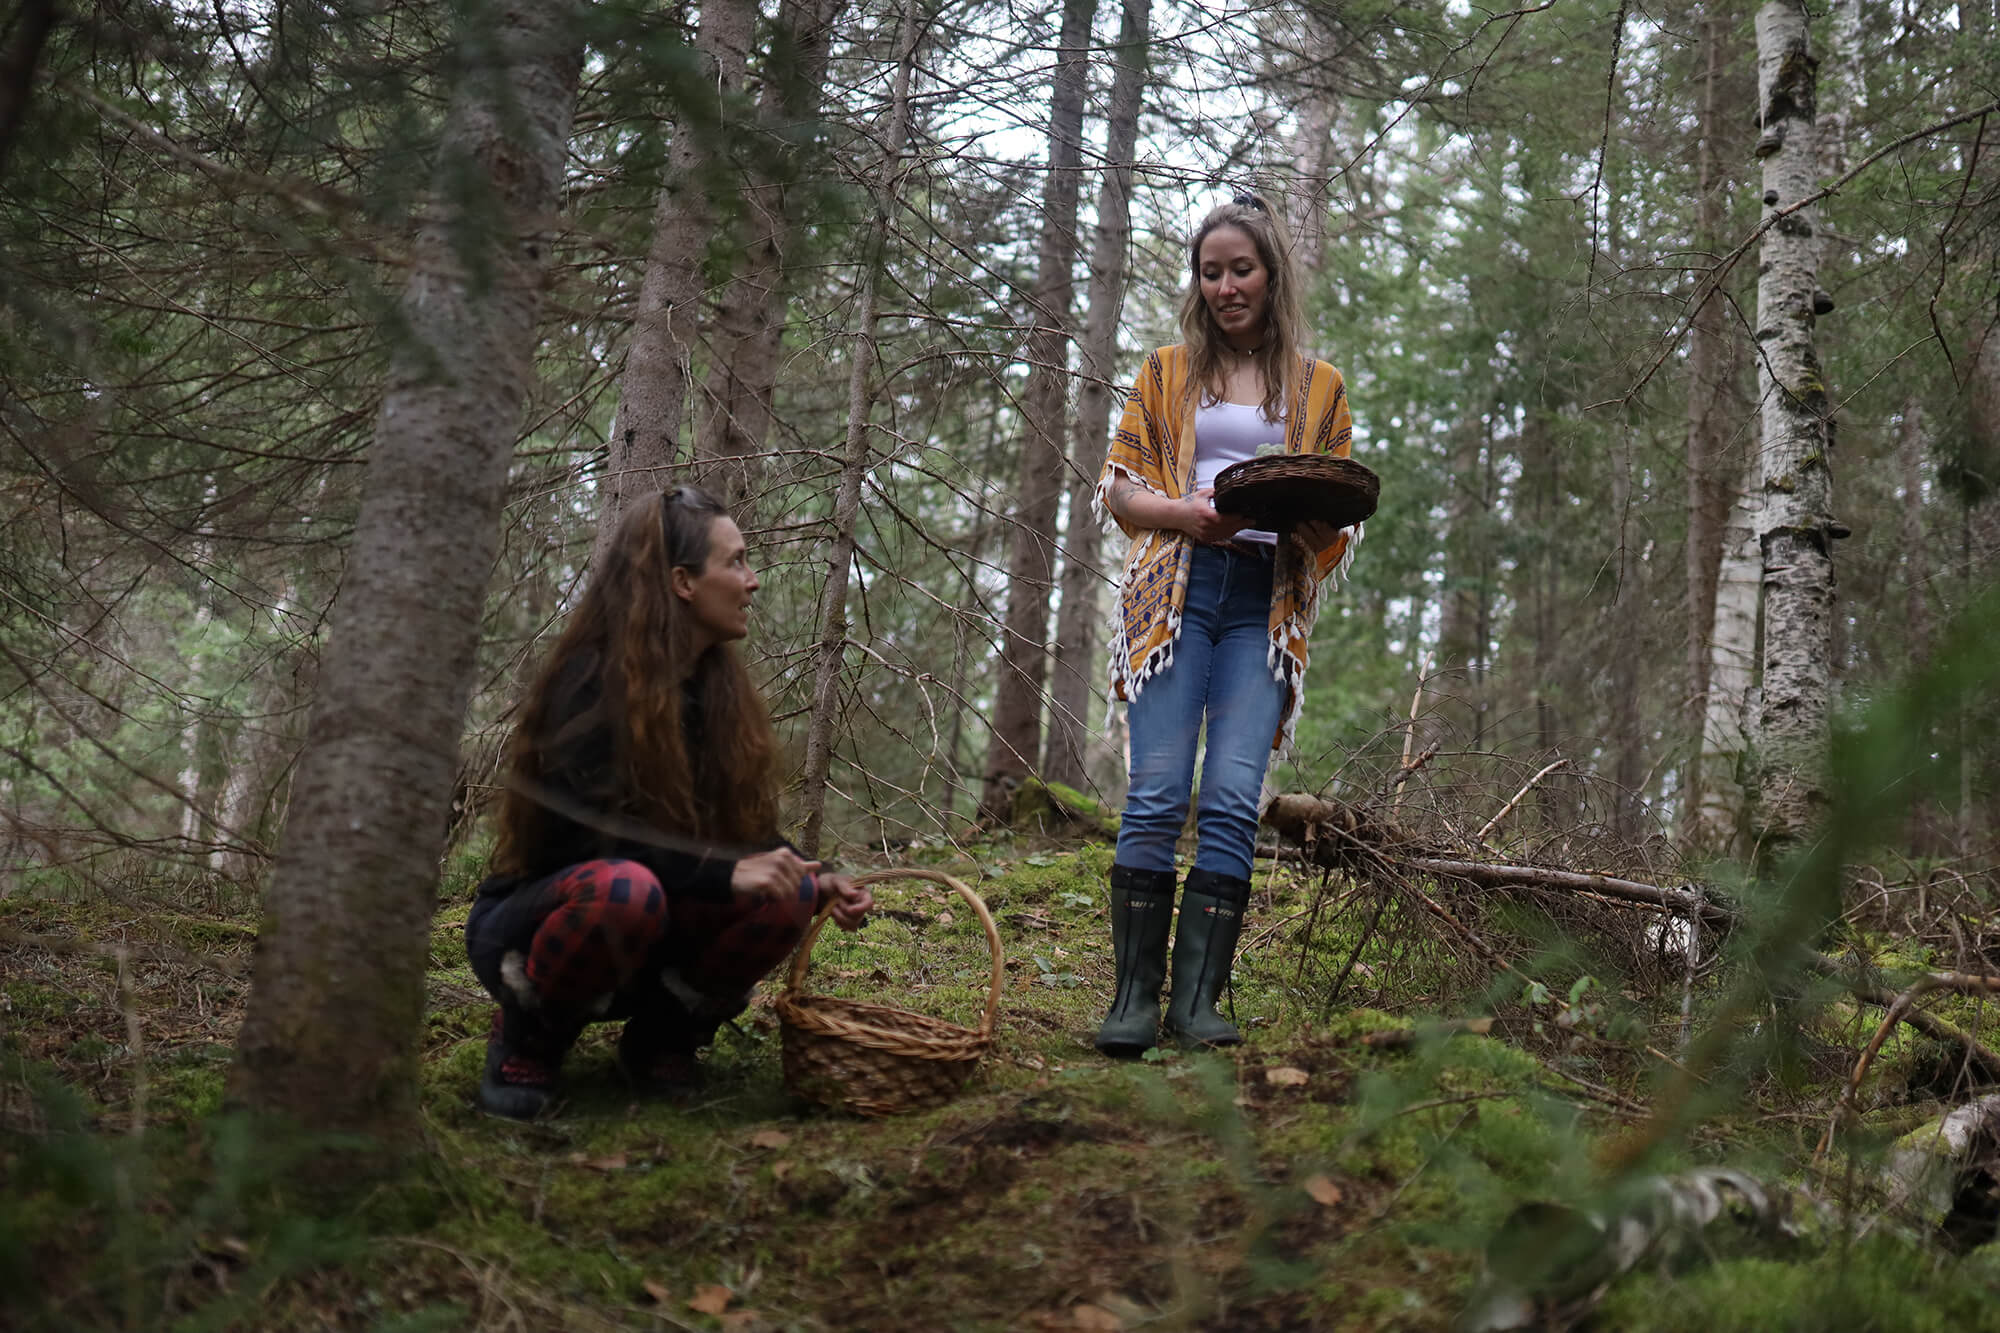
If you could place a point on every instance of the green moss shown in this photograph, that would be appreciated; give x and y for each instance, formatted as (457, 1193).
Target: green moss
(203, 934)
(27, 1002)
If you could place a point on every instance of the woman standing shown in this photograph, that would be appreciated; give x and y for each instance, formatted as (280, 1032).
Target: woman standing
(639, 873)
(1213, 617)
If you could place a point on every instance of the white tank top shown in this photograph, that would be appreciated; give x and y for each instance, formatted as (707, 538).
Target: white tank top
(1226, 433)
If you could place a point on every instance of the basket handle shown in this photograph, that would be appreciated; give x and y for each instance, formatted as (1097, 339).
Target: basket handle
(803, 957)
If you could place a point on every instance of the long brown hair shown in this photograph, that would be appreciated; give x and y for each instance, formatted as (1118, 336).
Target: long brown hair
(629, 643)
(1278, 358)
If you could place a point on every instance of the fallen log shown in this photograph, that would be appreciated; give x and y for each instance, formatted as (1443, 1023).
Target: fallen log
(1340, 836)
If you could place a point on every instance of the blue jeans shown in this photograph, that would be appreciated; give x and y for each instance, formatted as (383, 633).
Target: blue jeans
(1220, 672)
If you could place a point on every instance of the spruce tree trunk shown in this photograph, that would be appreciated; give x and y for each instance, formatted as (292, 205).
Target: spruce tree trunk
(847, 500)
(1628, 733)
(1461, 653)
(1713, 468)
(1015, 746)
(1074, 697)
(331, 1037)
(1796, 436)
(659, 354)
(749, 323)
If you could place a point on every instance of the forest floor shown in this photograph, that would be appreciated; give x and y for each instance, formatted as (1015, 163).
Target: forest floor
(1307, 1180)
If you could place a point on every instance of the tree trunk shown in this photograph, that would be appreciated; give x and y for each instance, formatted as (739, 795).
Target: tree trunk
(1719, 819)
(1462, 616)
(1796, 437)
(330, 1040)
(1712, 471)
(1073, 697)
(652, 390)
(1017, 708)
(749, 323)
(1911, 448)
(847, 501)
(1628, 733)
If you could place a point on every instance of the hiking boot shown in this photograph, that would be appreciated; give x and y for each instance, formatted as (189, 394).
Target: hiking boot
(524, 1054)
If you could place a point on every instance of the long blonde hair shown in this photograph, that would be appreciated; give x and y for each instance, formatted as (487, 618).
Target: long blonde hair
(1278, 358)
(630, 644)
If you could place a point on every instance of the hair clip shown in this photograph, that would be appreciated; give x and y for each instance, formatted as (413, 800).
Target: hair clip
(1244, 199)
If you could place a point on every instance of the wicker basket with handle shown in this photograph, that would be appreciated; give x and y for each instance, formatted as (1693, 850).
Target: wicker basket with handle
(877, 1059)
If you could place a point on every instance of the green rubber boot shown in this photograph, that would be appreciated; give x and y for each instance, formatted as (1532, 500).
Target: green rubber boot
(1204, 951)
(1142, 908)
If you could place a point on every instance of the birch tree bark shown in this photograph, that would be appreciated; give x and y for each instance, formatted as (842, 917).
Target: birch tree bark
(652, 390)
(1720, 818)
(1796, 436)
(831, 654)
(1074, 698)
(748, 327)
(330, 1040)
(1015, 746)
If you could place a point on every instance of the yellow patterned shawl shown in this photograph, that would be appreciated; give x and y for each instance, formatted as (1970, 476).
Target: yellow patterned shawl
(1155, 448)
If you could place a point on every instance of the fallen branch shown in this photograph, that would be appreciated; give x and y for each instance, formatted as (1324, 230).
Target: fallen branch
(1519, 796)
(1900, 1010)
(1357, 836)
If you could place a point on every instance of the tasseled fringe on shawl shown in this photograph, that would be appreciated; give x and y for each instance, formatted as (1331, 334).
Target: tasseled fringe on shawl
(1122, 676)
(1286, 668)
(1106, 520)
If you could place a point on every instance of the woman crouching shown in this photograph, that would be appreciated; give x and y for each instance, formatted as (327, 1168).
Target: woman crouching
(638, 873)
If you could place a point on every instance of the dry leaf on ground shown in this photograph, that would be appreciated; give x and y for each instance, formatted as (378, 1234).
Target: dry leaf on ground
(770, 1138)
(615, 1162)
(658, 1291)
(742, 1321)
(1324, 1192)
(1285, 1076)
(712, 1298)
(1095, 1318)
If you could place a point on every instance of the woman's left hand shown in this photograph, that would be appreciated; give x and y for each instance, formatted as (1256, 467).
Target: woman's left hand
(851, 901)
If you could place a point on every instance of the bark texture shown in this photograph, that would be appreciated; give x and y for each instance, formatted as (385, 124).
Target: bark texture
(1714, 467)
(1796, 437)
(336, 1007)
(747, 330)
(1015, 746)
(652, 391)
(1721, 808)
(1074, 695)
(832, 650)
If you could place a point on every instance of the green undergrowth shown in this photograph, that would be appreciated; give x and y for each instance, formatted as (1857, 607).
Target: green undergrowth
(1321, 1177)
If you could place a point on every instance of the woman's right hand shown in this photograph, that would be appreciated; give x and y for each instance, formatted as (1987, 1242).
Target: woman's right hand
(1201, 520)
(1194, 514)
(775, 874)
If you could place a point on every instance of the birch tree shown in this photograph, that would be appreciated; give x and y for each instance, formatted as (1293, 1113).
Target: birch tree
(1073, 693)
(1796, 438)
(330, 1040)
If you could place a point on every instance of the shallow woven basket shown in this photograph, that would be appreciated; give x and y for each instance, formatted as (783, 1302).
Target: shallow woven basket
(877, 1059)
(1281, 491)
